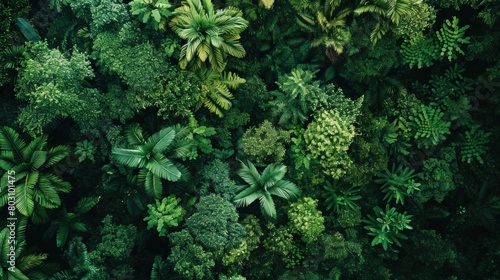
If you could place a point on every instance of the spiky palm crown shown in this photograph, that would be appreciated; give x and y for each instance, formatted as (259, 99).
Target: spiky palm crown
(152, 155)
(262, 186)
(36, 186)
(210, 34)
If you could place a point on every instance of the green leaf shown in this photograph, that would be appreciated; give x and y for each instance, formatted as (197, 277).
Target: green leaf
(28, 30)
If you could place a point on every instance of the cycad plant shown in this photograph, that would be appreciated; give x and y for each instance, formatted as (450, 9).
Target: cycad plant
(339, 197)
(263, 186)
(153, 156)
(474, 145)
(36, 187)
(398, 183)
(210, 34)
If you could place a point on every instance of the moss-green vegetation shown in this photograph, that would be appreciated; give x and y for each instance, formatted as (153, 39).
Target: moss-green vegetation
(250, 139)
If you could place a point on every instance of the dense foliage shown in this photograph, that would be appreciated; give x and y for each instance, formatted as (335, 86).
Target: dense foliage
(240, 139)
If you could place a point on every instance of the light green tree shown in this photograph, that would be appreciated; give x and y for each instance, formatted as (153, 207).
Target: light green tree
(54, 87)
(165, 214)
(265, 143)
(328, 138)
(306, 219)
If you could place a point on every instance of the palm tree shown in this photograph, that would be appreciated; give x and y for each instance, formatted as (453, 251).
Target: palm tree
(386, 12)
(150, 156)
(27, 170)
(262, 186)
(210, 34)
(27, 266)
(329, 27)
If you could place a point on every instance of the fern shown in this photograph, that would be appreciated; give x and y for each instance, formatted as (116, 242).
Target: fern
(473, 145)
(420, 51)
(451, 36)
(428, 125)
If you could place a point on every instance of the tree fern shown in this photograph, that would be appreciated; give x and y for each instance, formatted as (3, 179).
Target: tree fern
(473, 145)
(210, 34)
(428, 125)
(420, 51)
(451, 37)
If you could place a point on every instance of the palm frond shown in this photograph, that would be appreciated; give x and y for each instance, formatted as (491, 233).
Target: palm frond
(272, 174)
(38, 158)
(128, 157)
(30, 261)
(85, 204)
(285, 189)
(249, 173)
(159, 141)
(163, 168)
(24, 193)
(11, 141)
(152, 183)
(55, 155)
(37, 144)
(267, 206)
(247, 195)
(134, 134)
